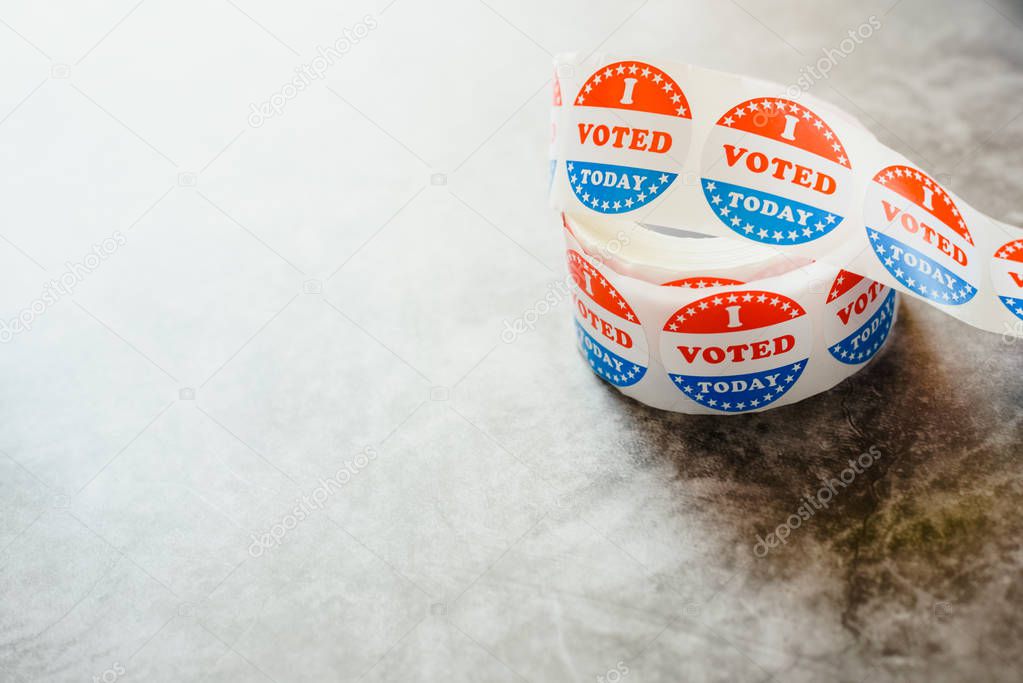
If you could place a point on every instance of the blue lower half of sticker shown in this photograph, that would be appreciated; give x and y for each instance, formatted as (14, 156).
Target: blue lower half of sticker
(617, 370)
(866, 341)
(737, 393)
(765, 217)
(611, 189)
(918, 272)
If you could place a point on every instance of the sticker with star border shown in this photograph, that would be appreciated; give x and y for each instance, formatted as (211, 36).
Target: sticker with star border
(609, 333)
(859, 313)
(637, 115)
(917, 233)
(774, 172)
(737, 351)
(1007, 276)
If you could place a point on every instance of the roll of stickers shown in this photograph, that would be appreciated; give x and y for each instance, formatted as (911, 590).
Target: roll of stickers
(734, 246)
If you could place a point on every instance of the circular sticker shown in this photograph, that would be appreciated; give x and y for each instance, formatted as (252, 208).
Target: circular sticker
(608, 330)
(775, 172)
(859, 314)
(1007, 275)
(637, 114)
(737, 351)
(918, 235)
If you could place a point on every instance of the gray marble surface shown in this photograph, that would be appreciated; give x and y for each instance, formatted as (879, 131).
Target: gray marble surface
(294, 334)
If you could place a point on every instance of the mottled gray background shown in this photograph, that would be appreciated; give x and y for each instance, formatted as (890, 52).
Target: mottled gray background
(337, 278)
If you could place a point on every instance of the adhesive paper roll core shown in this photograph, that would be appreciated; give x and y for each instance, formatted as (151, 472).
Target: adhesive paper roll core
(810, 229)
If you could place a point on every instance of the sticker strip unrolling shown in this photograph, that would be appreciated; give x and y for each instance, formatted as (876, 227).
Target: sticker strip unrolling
(818, 227)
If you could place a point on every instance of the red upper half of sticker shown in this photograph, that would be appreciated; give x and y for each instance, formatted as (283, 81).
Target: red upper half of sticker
(734, 312)
(596, 286)
(926, 193)
(789, 123)
(634, 86)
(843, 283)
(1012, 251)
(702, 282)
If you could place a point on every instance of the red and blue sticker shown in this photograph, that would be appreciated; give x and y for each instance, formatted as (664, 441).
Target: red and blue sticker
(737, 351)
(859, 314)
(1007, 275)
(774, 172)
(609, 332)
(640, 114)
(918, 235)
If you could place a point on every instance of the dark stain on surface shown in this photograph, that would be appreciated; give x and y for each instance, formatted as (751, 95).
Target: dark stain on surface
(931, 524)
